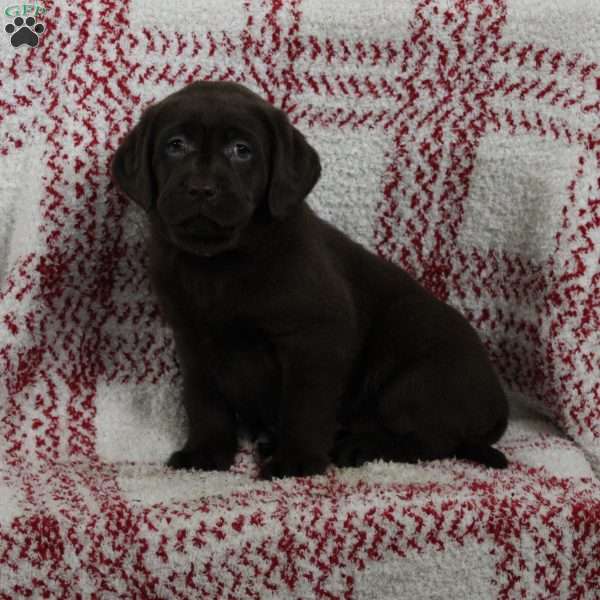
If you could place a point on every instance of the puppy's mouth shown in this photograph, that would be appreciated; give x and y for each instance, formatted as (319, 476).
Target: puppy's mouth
(203, 237)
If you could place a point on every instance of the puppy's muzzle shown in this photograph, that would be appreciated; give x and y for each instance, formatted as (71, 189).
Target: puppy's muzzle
(195, 198)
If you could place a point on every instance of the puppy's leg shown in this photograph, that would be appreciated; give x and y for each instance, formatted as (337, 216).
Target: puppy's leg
(450, 411)
(212, 439)
(414, 422)
(312, 382)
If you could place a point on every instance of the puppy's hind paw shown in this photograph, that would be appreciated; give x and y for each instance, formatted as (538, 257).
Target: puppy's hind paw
(485, 455)
(293, 466)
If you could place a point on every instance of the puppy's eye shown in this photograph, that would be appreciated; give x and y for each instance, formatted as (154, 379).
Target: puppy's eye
(176, 147)
(240, 151)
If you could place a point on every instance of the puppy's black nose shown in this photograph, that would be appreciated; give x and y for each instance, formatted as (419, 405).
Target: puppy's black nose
(201, 189)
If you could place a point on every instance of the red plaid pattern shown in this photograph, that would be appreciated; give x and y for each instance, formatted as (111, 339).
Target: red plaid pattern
(461, 140)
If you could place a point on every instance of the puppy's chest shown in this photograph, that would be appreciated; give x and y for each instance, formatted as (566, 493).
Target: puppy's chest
(190, 299)
(208, 299)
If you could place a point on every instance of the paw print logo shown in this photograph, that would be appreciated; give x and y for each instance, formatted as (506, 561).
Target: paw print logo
(24, 34)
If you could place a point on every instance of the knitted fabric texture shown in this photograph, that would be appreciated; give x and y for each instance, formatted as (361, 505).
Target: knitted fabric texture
(460, 140)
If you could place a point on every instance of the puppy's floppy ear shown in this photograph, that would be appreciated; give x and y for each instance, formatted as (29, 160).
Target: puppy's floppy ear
(131, 165)
(295, 166)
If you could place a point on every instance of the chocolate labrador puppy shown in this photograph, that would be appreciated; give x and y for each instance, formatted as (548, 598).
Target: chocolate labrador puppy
(282, 324)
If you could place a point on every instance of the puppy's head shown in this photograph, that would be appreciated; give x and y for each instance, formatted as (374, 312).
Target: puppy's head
(205, 161)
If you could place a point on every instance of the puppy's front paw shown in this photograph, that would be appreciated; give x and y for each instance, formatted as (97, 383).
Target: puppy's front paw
(293, 465)
(204, 458)
(352, 449)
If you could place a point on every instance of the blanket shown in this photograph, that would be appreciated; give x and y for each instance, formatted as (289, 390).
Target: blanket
(460, 140)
